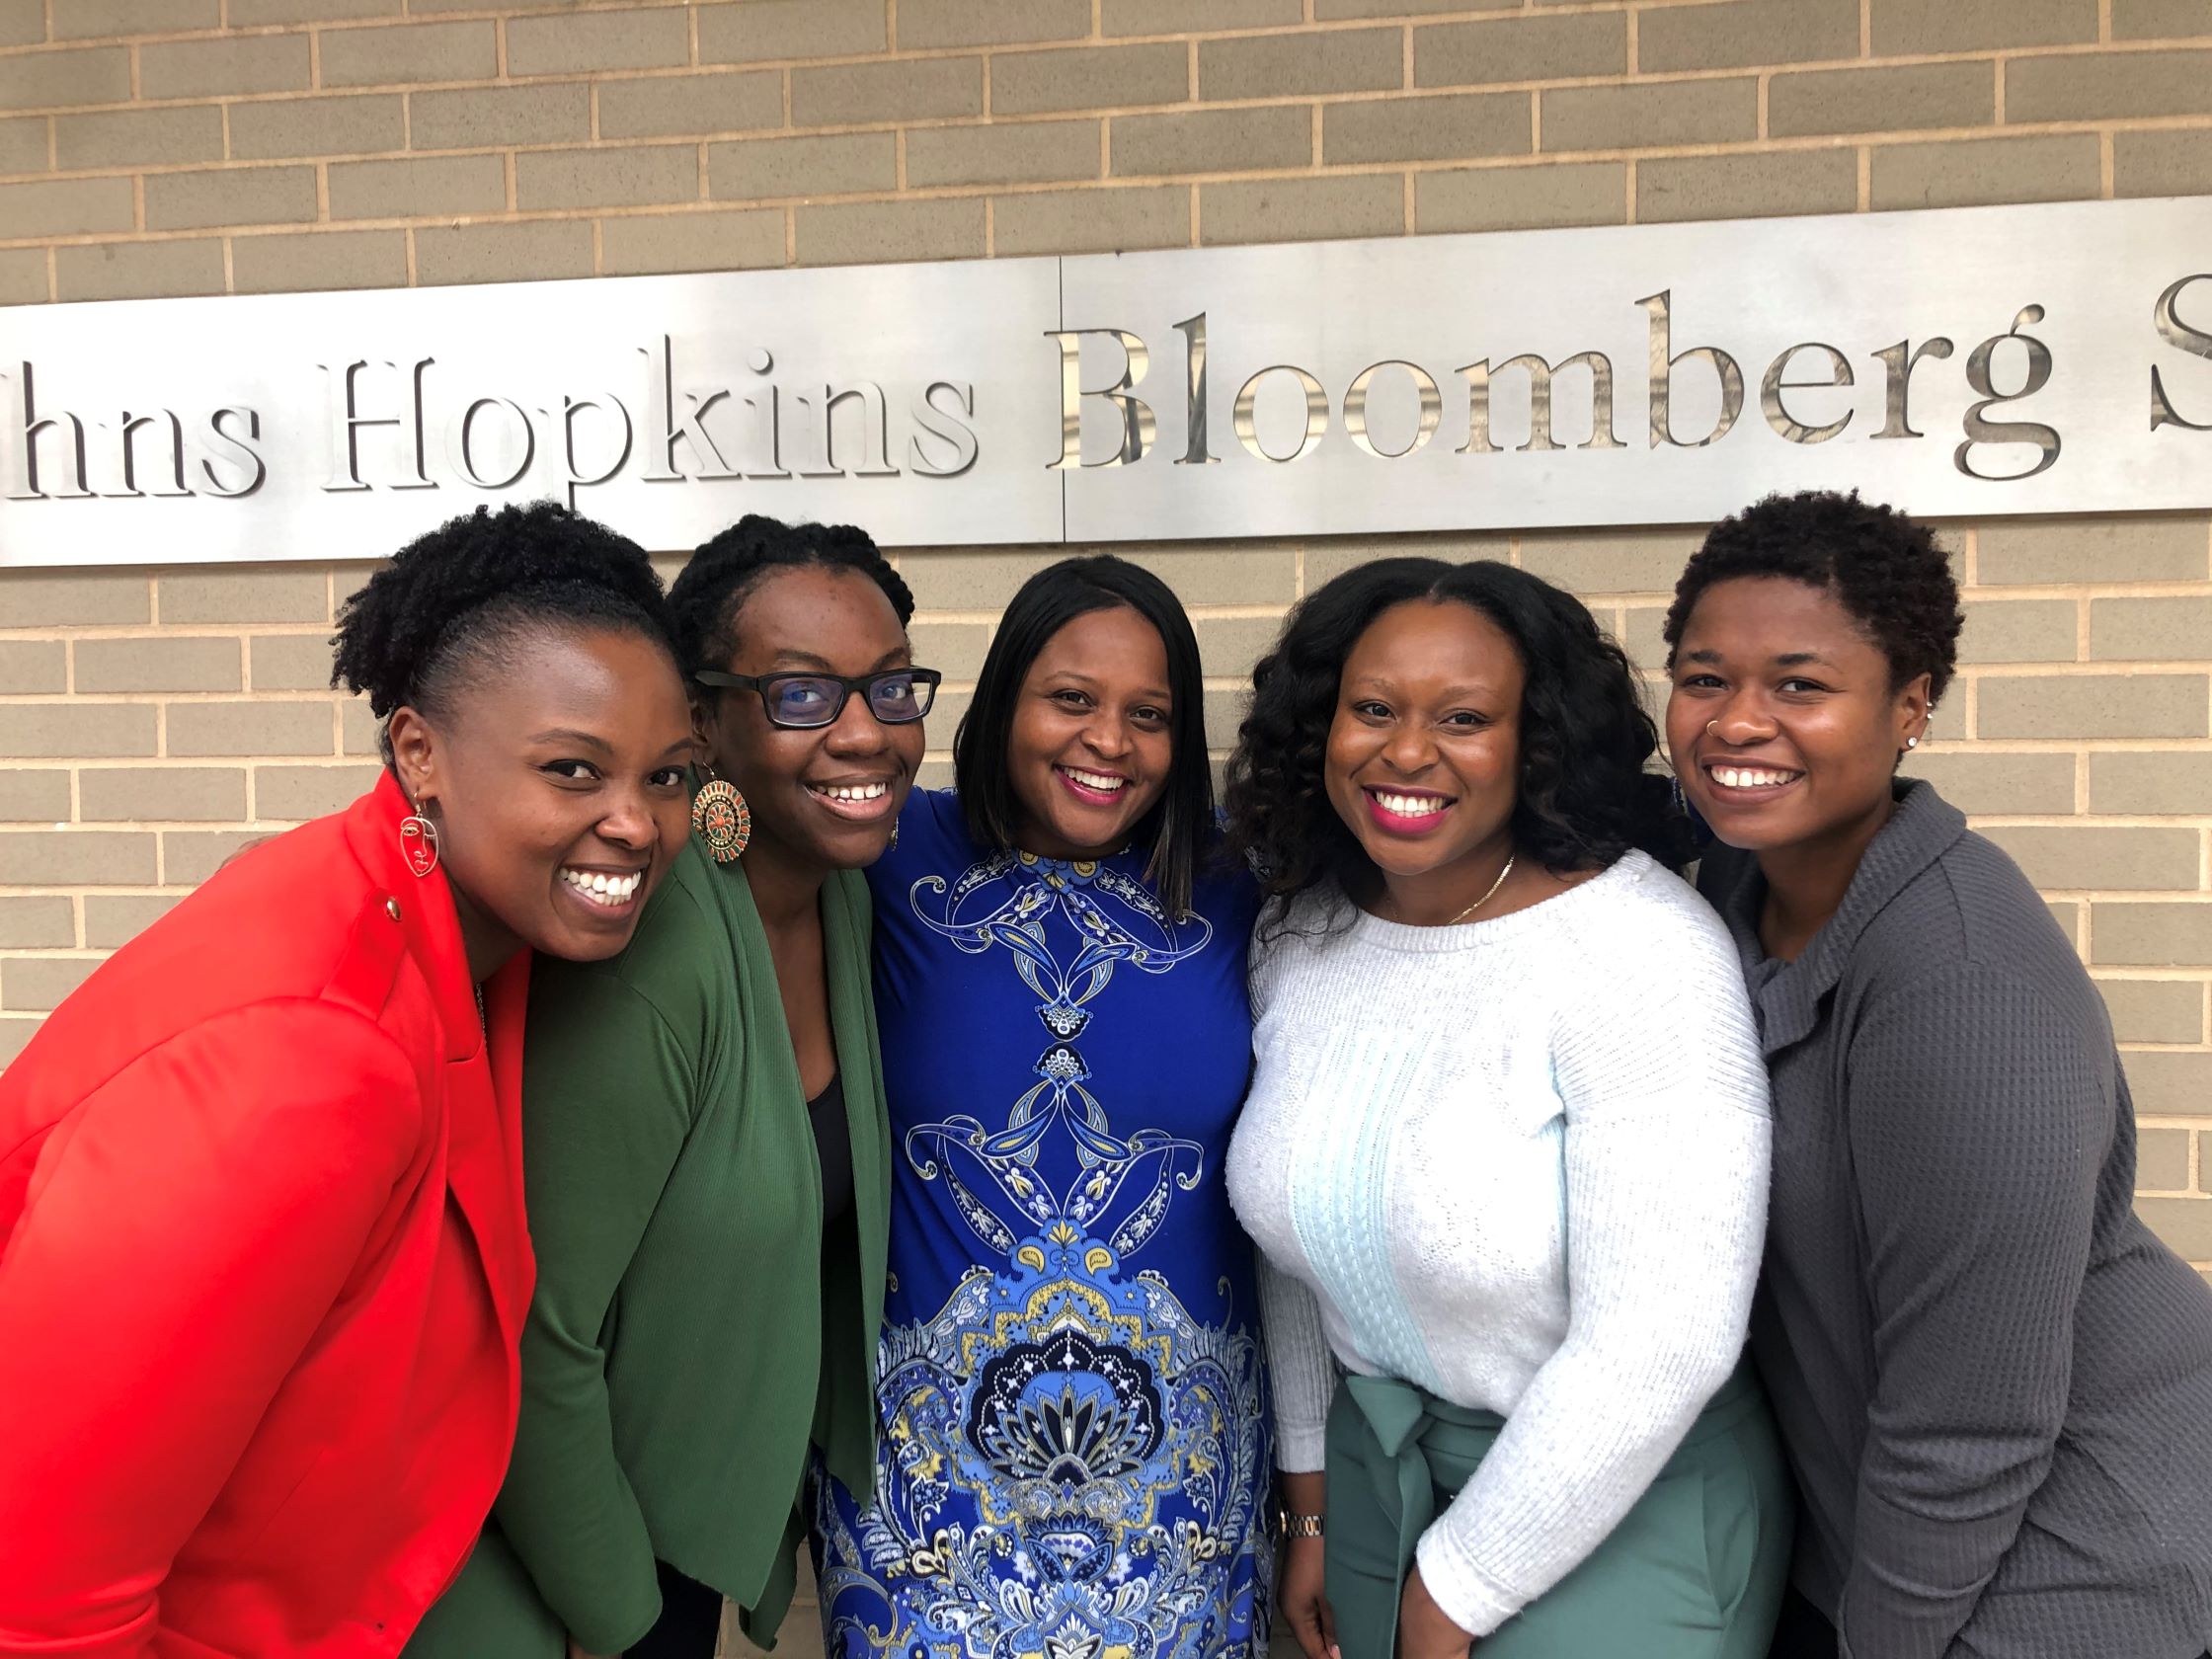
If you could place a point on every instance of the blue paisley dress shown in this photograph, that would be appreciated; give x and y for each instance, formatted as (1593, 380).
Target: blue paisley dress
(1073, 1449)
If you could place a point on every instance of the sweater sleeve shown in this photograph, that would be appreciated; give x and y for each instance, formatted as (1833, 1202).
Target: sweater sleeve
(607, 1104)
(1979, 1116)
(186, 1232)
(1667, 1141)
(1300, 1371)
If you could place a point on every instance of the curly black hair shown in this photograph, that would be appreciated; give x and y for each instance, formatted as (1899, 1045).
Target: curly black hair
(461, 600)
(1582, 798)
(710, 589)
(1883, 568)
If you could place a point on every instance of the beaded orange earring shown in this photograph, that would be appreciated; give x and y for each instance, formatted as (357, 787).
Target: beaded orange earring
(722, 818)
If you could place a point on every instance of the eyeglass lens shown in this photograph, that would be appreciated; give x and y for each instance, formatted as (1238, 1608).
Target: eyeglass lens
(804, 700)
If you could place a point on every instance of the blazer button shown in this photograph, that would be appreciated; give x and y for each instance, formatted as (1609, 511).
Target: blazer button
(391, 909)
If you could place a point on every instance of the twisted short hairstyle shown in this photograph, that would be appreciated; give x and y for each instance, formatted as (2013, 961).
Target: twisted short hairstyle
(462, 601)
(1582, 797)
(1882, 567)
(710, 592)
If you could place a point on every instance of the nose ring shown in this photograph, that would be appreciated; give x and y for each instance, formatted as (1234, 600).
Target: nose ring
(1710, 723)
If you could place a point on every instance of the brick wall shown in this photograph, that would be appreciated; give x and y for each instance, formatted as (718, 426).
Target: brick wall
(151, 720)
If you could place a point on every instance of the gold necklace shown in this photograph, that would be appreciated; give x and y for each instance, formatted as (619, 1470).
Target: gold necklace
(1489, 895)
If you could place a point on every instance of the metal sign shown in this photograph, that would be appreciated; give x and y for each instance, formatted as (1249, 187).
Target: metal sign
(2051, 358)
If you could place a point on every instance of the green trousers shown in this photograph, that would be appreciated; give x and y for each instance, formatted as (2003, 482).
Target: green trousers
(1694, 1571)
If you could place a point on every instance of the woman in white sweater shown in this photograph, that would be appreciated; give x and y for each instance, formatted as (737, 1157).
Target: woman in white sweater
(1506, 1151)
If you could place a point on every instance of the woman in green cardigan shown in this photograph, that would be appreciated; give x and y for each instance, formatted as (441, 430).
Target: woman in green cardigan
(707, 1155)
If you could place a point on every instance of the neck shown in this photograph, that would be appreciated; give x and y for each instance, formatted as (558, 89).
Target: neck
(488, 944)
(786, 890)
(1806, 881)
(1434, 897)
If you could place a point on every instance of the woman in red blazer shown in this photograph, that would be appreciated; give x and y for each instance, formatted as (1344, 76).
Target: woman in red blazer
(261, 1249)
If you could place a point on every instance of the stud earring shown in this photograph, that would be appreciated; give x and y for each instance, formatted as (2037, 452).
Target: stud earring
(418, 842)
(1912, 743)
(722, 820)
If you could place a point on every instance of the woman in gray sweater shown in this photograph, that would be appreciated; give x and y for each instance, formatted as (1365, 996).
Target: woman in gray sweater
(1994, 1384)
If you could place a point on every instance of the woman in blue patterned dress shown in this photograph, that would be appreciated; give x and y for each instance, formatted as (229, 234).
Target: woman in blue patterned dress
(1073, 1448)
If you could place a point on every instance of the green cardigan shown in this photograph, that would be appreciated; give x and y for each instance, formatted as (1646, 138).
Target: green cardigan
(693, 1331)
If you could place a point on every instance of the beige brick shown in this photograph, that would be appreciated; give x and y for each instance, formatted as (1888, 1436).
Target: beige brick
(1746, 187)
(33, 795)
(414, 51)
(1091, 221)
(1973, 172)
(767, 31)
(106, 19)
(288, 793)
(123, 138)
(1088, 78)
(1023, 152)
(1302, 210)
(1333, 556)
(2161, 164)
(43, 598)
(14, 1035)
(879, 232)
(503, 253)
(2093, 706)
(22, 277)
(910, 89)
(190, 856)
(1824, 101)
(161, 794)
(2162, 1160)
(474, 118)
(967, 579)
(1522, 198)
(23, 144)
(2019, 631)
(359, 731)
(647, 243)
(1997, 783)
(288, 662)
(52, 80)
(2160, 20)
(838, 164)
(248, 729)
(2143, 934)
(1212, 141)
(1610, 561)
(22, 22)
(1452, 127)
(666, 106)
(2152, 781)
(267, 595)
(2170, 1084)
(1173, 17)
(236, 63)
(28, 923)
(2154, 1011)
(1228, 646)
(1650, 116)
(1531, 48)
(158, 665)
(1218, 573)
(1910, 28)
(2066, 914)
(32, 665)
(2161, 860)
(39, 983)
(234, 196)
(2094, 85)
(2151, 631)
(244, 13)
(1280, 66)
(1331, 11)
(66, 207)
(1224, 710)
(319, 261)
(282, 127)
(76, 857)
(1743, 33)
(39, 730)
(2137, 547)
(647, 175)
(925, 25)
(114, 919)
(597, 42)
(434, 187)
(954, 649)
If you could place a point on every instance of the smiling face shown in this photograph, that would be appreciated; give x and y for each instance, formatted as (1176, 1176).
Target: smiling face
(1783, 723)
(1424, 750)
(824, 798)
(1090, 751)
(558, 791)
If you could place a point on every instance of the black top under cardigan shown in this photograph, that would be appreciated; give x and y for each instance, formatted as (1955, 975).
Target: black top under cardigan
(1994, 1382)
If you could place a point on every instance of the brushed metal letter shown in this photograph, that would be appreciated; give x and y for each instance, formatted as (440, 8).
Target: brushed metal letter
(945, 426)
(1661, 307)
(2178, 334)
(30, 427)
(347, 421)
(1979, 375)
(1195, 443)
(173, 451)
(571, 408)
(1478, 375)
(1773, 385)
(1317, 413)
(1902, 359)
(241, 452)
(687, 428)
(875, 431)
(1139, 429)
(1355, 407)
(460, 442)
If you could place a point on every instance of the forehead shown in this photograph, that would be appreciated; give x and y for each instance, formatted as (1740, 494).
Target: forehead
(821, 611)
(1114, 643)
(1423, 638)
(553, 672)
(1769, 616)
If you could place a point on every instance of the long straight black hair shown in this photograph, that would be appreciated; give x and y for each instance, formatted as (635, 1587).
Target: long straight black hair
(1181, 821)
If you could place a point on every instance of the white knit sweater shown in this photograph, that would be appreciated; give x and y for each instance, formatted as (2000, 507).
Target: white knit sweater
(1522, 1164)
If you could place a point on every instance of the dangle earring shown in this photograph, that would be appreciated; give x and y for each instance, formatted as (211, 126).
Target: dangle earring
(722, 818)
(418, 842)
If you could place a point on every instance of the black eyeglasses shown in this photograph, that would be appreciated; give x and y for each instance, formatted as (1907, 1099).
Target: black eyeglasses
(804, 701)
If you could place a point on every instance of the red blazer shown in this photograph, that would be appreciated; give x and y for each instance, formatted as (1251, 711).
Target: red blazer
(263, 1267)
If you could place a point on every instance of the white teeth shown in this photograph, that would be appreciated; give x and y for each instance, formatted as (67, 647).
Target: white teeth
(1748, 778)
(603, 889)
(1410, 806)
(855, 792)
(1105, 783)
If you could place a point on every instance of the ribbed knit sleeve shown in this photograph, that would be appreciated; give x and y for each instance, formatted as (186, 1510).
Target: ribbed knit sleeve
(1300, 1369)
(1978, 1120)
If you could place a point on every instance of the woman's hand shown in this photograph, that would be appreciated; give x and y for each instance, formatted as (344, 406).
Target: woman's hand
(1425, 1632)
(1306, 1609)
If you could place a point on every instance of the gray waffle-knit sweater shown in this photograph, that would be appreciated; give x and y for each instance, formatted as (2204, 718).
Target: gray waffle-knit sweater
(1994, 1382)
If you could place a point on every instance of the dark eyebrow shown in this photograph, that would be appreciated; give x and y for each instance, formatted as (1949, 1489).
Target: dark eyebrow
(1800, 658)
(568, 734)
(898, 657)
